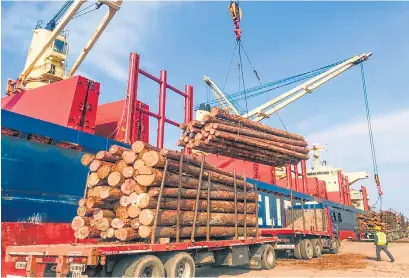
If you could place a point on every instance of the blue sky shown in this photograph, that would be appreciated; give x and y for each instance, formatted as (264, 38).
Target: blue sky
(192, 39)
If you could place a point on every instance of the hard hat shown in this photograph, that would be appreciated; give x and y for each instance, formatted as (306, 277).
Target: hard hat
(377, 228)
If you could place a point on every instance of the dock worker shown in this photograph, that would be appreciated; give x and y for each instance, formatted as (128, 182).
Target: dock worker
(381, 244)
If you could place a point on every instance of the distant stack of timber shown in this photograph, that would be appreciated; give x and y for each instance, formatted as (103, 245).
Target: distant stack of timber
(149, 193)
(237, 137)
(369, 220)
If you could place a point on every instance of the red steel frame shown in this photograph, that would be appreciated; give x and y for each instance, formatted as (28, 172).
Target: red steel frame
(134, 72)
(294, 184)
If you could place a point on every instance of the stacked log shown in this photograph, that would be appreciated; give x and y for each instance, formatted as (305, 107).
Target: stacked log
(369, 220)
(237, 137)
(124, 190)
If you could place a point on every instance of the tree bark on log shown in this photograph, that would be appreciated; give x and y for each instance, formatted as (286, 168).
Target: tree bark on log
(126, 234)
(189, 205)
(117, 150)
(168, 218)
(106, 156)
(110, 193)
(84, 211)
(104, 171)
(166, 232)
(191, 193)
(103, 213)
(139, 146)
(87, 232)
(98, 202)
(175, 155)
(219, 113)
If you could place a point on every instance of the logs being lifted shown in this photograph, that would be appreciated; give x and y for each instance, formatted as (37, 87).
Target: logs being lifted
(147, 193)
(237, 137)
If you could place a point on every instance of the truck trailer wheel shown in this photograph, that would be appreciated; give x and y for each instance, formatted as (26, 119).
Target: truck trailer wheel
(306, 249)
(297, 251)
(146, 266)
(316, 247)
(268, 260)
(179, 265)
(334, 246)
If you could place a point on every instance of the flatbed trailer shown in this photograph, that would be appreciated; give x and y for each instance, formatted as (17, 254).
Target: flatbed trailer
(142, 259)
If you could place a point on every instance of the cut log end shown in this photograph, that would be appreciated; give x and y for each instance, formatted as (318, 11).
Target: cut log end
(86, 159)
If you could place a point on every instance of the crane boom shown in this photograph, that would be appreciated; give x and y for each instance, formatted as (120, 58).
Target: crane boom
(220, 96)
(287, 98)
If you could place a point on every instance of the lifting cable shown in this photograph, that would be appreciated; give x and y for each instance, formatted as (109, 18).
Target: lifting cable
(371, 140)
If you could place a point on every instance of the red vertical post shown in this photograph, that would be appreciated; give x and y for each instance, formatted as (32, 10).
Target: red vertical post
(162, 112)
(304, 177)
(273, 175)
(348, 191)
(188, 109)
(127, 127)
(288, 175)
(340, 185)
(296, 177)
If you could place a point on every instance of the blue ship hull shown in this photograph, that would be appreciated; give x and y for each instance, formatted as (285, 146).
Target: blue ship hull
(42, 182)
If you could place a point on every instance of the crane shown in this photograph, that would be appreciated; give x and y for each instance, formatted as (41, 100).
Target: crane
(46, 60)
(265, 110)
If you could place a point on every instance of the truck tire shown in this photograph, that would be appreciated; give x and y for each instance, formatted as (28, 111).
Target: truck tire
(121, 266)
(179, 265)
(297, 251)
(306, 249)
(316, 247)
(146, 266)
(268, 259)
(334, 246)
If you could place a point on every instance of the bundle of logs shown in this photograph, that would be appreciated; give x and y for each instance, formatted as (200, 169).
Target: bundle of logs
(149, 193)
(368, 221)
(237, 137)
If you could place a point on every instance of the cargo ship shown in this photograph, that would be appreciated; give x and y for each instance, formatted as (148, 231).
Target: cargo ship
(50, 119)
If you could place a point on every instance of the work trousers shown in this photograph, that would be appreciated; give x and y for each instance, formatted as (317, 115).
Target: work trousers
(383, 248)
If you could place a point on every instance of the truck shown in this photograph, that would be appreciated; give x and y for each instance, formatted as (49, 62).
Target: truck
(296, 223)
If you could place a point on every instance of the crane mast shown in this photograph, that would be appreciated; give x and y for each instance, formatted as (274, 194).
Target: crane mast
(47, 57)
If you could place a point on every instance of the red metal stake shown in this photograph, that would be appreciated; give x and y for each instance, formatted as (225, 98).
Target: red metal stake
(162, 105)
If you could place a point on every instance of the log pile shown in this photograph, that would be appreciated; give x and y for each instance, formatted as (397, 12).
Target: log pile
(368, 221)
(391, 219)
(141, 194)
(237, 137)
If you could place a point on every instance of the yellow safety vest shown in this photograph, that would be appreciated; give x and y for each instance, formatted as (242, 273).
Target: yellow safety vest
(381, 238)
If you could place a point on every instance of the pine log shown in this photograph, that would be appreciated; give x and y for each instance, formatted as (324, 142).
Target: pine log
(124, 201)
(117, 150)
(106, 156)
(153, 159)
(110, 233)
(189, 205)
(118, 223)
(166, 232)
(133, 211)
(103, 235)
(104, 171)
(94, 166)
(87, 232)
(120, 165)
(256, 134)
(135, 224)
(110, 193)
(104, 223)
(139, 146)
(129, 157)
(101, 213)
(82, 202)
(128, 186)
(175, 155)
(261, 145)
(149, 179)
(132, 199)
(121, 212)
(142, 200)
(115, 179)
(98, 202)
(91, 192)
(168, 218)
(221, 114)
(97, 190)
(93, 222)
(84, 211)
(140, 189)
(126, 234)
(128, 172)
(79, 222)
(138, 163)
(86, 159)
(216, 177)
(144, 170)
(94, 180)
(191, 193)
